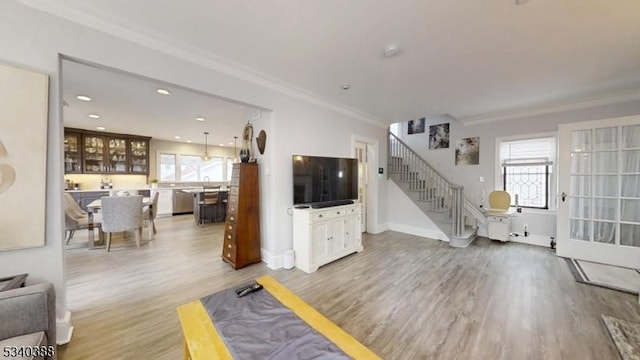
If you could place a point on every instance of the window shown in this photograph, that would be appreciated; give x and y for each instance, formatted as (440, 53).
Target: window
(395, 129)
(527, 171)
(192, 168)
(229, 168)
(167, 167)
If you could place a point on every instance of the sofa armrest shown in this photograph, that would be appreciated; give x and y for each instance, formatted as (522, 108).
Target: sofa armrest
(27, 310)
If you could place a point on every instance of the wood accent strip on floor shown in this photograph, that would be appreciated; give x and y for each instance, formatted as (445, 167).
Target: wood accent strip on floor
(201, 337)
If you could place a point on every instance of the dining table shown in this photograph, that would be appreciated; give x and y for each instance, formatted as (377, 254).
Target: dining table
(96, 205)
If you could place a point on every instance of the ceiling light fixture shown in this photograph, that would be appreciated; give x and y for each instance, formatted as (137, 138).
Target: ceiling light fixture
(101, 128)
(391, 50)
(83, 98)
(189, 141)
(199, 119)
(163, 91)
(205, 156)
(346, 87)
(235, 151)
(94, 116)
(177, 137)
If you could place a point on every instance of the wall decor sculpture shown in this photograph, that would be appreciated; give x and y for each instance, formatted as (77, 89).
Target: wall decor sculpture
(262, 141)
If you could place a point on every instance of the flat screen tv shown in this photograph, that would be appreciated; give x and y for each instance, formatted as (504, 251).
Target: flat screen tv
(324, 180)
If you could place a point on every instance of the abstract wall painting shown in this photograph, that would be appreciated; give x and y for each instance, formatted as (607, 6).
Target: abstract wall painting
(468, 151)
(439, 136)
(23, 157)
(416, 126)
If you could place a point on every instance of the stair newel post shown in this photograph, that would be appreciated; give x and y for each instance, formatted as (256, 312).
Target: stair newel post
(457, 207)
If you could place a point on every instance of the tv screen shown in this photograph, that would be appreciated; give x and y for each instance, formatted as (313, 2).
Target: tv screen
(324, 179)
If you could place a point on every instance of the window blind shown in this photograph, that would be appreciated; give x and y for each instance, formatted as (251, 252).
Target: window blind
(539, 151)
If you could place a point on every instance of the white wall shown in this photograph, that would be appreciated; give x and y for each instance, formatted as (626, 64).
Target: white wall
(405, 216)
(541, 224)
(33, 39)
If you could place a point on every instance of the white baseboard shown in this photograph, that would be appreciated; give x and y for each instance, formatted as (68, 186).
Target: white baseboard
(274, 262)
(378, 229)
(539, 240)
(64, 329)
(417, 231)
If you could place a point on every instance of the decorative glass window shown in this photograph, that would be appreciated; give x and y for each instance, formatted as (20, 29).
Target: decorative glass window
(527, 170)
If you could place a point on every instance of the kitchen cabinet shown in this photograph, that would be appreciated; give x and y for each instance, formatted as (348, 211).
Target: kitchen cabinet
(321, 236)
(165, 202)
(106, 153)
(72, 152)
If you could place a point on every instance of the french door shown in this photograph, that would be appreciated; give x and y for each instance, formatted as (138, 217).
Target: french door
(599, 185)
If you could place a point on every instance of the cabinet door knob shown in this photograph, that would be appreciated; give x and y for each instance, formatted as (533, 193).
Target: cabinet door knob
(320, 215)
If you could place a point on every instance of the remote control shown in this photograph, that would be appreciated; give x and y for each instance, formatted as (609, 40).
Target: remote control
(243, 288)
(253, 288)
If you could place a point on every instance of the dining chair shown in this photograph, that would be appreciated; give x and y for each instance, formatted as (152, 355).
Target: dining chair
(77, 219)
(122, 213)
(149, 214)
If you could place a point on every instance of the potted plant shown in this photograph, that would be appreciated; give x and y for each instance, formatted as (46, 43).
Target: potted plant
(154, 183)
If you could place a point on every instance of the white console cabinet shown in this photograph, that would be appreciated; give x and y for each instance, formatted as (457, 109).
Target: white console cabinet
(321, 236)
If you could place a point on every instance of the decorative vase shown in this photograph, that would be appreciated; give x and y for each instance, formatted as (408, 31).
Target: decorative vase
(247, 137)
(244, 154)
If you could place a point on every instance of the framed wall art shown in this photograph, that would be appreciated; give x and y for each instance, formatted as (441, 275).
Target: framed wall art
(23, 157)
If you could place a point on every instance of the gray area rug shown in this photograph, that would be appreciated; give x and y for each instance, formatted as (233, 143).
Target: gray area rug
(626, 336)
(606, 276)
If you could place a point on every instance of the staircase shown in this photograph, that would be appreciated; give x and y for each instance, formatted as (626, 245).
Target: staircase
(442, 201)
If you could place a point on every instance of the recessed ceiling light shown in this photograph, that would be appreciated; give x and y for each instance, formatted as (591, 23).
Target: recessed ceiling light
(177, 137)
(221, 144)
(94, 116)
(83, 98)
(199, 119)
(189, 141)
(163, 91)
(391, 50)
(101, 128)
(230, 143)
(346, 87)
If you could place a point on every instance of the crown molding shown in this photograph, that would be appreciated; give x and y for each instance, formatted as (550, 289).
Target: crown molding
(610, 99)
(177, 49)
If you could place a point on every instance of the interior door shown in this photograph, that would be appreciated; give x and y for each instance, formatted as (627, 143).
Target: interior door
(599, 185)
(361, 155)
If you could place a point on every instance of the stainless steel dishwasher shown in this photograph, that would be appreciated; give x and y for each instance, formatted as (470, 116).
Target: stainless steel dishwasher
(182, 202)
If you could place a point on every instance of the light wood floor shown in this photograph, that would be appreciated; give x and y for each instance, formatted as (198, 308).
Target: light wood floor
(404, 297)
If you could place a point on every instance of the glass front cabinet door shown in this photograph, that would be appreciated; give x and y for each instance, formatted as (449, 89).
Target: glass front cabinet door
(94, 154)
(139, 156)
(117, 155)
(72, 153)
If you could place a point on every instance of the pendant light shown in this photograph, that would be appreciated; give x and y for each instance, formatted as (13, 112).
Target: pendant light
(205, 156)
(235, 150)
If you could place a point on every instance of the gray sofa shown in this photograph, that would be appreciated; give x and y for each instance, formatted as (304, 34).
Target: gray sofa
(28, 319)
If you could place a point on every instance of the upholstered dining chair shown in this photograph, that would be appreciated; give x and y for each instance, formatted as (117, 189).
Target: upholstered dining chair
(77, 219)
(150, 214)
(122, 213)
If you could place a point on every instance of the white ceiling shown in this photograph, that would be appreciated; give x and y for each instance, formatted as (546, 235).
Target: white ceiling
(470, 59)
(129, 104)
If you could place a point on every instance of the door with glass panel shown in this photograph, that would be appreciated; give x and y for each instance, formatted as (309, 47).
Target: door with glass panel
(599, 191)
